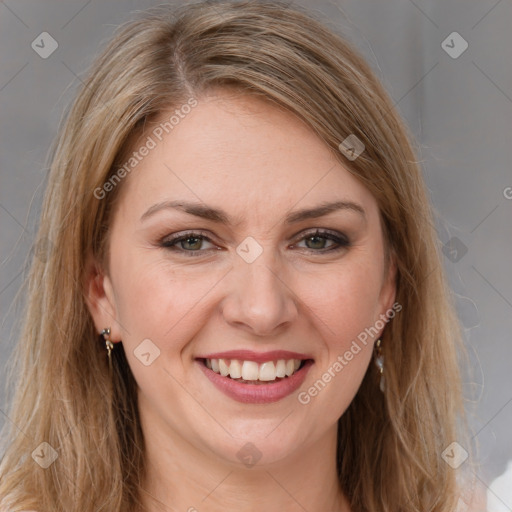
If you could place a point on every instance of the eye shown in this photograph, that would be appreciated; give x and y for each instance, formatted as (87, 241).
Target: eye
(189, 243)
(192, 243)
(318, 238)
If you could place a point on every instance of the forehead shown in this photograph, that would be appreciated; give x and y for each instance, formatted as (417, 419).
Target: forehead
(241, 154)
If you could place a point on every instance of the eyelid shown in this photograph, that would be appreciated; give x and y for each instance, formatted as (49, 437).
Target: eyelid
(341, 240)
(323, 232)
(175, 238)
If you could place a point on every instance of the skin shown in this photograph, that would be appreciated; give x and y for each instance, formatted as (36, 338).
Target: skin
(257, 163)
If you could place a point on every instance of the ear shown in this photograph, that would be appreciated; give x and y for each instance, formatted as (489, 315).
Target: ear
(100, 299)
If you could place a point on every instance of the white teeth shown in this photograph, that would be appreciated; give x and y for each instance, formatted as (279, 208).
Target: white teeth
(250, 370)
(223, 367)
(281, 368)
(290, 365)
(235, 369)
(267, 371)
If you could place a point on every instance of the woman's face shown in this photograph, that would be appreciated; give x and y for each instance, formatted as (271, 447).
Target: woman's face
(248, 276)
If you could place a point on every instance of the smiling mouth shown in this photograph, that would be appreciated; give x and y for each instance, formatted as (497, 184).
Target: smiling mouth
(250, 372)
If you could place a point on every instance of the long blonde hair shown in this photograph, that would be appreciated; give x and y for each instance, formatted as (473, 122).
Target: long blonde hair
(389, 445)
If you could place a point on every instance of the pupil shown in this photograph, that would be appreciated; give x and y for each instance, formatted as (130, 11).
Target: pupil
(318, 238)
(192, 238)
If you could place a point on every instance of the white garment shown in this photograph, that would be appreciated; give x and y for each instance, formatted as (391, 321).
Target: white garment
(499, 494)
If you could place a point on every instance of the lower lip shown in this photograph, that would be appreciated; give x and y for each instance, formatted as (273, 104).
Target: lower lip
(257, 393)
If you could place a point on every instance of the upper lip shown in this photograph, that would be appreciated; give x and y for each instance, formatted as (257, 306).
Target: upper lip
(257, 357)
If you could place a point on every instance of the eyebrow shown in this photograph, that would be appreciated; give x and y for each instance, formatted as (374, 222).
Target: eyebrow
(221, 217)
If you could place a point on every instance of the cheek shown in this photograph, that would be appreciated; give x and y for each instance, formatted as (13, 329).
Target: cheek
(343, 312)
(344, 300)
(159, 301)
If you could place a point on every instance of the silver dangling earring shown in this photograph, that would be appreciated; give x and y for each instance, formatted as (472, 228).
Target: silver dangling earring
(379, 362)
(108, 345)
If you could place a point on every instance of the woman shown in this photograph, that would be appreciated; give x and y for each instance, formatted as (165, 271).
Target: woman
(242, 303)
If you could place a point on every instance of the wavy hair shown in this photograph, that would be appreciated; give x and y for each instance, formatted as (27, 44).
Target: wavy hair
(389, 445)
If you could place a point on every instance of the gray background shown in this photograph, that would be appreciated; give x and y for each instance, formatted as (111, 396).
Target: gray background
(459, 110)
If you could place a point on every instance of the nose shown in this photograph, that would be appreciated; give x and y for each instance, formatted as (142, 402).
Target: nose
(259, 300)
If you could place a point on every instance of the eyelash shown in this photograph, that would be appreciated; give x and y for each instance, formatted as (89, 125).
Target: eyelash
(170, 243)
